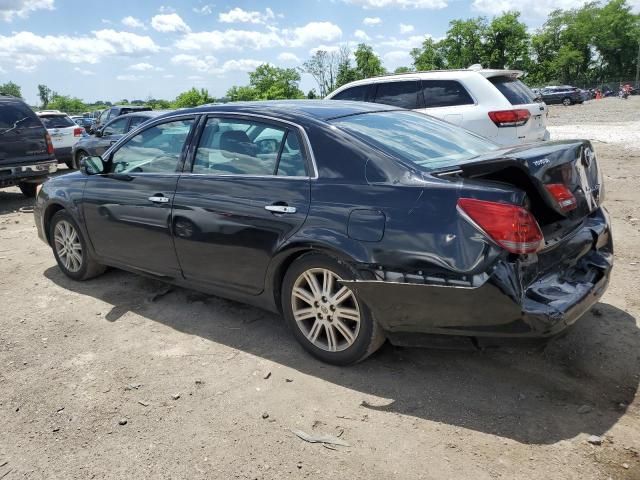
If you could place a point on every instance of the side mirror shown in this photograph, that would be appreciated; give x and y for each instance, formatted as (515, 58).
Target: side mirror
(92, 165)
(97, 132)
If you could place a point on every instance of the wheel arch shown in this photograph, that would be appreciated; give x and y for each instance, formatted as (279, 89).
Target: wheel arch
(49, 212)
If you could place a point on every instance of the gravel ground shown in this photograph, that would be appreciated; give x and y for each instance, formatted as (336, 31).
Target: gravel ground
(120, 377)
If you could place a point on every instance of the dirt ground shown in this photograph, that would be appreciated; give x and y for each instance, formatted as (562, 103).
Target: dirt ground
(209, 388)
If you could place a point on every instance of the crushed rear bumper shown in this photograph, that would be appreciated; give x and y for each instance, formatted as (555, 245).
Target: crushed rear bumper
(537, 300)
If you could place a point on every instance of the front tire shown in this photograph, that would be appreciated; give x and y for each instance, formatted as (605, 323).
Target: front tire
(566, 101)
(29, 190)
(80, 154)
(327, 318)
(70, 248)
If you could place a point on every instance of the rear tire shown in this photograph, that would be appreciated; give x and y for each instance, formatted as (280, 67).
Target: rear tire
(566, 101)
(70, 248)
(29, 190)
(69, 164)
(328, 320)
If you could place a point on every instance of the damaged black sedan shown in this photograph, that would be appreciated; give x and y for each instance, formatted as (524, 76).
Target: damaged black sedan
(358, 222)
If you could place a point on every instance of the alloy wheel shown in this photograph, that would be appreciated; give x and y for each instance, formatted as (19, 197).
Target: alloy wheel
(68, 246)
(326, 312)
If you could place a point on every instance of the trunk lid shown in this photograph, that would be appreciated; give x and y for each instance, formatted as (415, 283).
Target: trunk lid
(22, 136)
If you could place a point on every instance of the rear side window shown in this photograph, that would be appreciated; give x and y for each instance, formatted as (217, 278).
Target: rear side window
(16, 115)
(398, 94)
(513, 90)
(357, 94)
(57, 121)
(135, 121)
(445, 93)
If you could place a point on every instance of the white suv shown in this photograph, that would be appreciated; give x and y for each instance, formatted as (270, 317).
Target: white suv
(491, 103)
(64, 133)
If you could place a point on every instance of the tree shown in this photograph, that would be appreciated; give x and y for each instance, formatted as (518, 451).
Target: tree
(403, 70)
(463, 43)
(368, 64)
(44, 93)
(324, 67)
(192, 98)
(268, 83)
(66, 103)
(242, 94)
(429, 57)
(506, 42)
(311, 94)
(12, 89)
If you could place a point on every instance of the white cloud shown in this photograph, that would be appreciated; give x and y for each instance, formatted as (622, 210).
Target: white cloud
(406, 43)
(10, 9)
(202, 64)
(209, 64)
(313, 32)
(361, 35)
(404, 28)
(368, 4)
(195, 77)
(168, 75)
(169, 22)
(83, 71)
(238, 15)
(288, 57)
(242, 65)
(532, 9)
(132, 22)
(26, 50)
(371, 21)
(396, 58)
(144, 67)
(129, 78)
(203, 10)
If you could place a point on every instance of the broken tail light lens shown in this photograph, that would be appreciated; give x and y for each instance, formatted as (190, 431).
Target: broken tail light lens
(510, 118)
(563, 196)
(50, 149)
(512, 227)
(77, 132)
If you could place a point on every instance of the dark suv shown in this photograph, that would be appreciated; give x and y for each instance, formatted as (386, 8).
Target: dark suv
(26, 151)
(564, 94)
(115, 111)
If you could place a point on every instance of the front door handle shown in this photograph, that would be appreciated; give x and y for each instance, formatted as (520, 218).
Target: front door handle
(159, 199)
(280, 208)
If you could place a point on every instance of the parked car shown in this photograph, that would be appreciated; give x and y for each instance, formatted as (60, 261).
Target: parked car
(26, 150)
(564, 94)
(491, 103)
(64, 133)
(115, 111)
(362, 222)
(84, 122)
(109, 134)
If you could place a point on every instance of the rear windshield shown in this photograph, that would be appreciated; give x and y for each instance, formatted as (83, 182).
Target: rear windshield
(16, 115)
(429, 143)
(514, 90)
(57, 121)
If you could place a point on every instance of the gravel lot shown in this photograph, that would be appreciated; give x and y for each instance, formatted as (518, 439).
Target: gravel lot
(212, 389)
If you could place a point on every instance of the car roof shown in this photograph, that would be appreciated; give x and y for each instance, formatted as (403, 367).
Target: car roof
(145, 113)
(290, 109)
(51, 113)
(132, 107)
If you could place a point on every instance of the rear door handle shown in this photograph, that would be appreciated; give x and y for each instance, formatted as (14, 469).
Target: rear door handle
(280, 208)
(159, 199)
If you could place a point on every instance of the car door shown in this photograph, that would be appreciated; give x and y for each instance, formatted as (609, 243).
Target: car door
(401, 94)
(246, 192)
(127, 209)
(447, 100)
(111, 133)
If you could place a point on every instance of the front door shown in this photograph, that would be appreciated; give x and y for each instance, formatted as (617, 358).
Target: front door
(248, 192)
(128, 210)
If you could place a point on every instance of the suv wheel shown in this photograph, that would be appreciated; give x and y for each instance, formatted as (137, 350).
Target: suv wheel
(28, 189)
(327, 318)
(70, 248)
(566, 101)
(80, 155)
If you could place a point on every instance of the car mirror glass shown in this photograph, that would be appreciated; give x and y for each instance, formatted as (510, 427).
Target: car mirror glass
(92, 165)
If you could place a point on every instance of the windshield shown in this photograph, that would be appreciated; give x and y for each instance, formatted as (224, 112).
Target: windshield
(429, 143)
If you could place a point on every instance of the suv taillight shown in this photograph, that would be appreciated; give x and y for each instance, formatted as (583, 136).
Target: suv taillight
(510, 226)
(563, 196)
(510, 118)
(77, 132)
(50, 149)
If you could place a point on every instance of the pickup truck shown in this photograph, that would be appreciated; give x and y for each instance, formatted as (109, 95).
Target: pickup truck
(26, 151)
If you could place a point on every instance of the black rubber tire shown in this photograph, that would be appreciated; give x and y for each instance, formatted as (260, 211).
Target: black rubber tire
(78, 156)
(69, 164)
(566, 101)
(29, 190)
(90, 267)
(370, 337)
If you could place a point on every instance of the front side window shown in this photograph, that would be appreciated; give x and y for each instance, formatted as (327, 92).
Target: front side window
(103, 116)
(157, 149)
(357, 94)
(398, 94)
(117, 127)
(248, 147)
(445, 93)
(135, 121)
(415, 138)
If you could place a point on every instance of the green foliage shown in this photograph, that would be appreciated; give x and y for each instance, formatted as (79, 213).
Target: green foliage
(463, 45)
(403, 70)
(430, 56)
(11, 88)
(368, 64)
(506, 42)
(192, 98)
(44, 93)
(65, 103)
(268, 83)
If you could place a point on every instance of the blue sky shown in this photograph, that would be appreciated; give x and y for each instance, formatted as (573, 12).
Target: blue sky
(135, 49)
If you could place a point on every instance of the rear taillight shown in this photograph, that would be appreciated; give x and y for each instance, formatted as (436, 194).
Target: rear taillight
(77, 132)
(50, 149)
(510, 118)
(510, 226)
(563, 196)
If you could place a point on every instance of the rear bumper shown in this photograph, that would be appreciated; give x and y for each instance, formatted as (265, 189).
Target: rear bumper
(511, 302)
(30, 172)
(64, 154)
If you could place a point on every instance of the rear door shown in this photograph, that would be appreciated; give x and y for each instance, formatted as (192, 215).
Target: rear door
(22, 136)
(446, 99)
(401, 94)
(248, 191)
(521, 97)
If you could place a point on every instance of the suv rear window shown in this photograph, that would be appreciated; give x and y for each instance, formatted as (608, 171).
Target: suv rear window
(445, 93)
(513, 90)
(14, 114)
(357, 94)
(398, 94)
(57, 121)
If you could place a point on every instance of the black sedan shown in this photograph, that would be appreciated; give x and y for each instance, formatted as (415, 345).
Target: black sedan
(358, 222)
(109, 134)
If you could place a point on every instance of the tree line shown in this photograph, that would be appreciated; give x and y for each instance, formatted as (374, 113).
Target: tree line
(591, 44)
